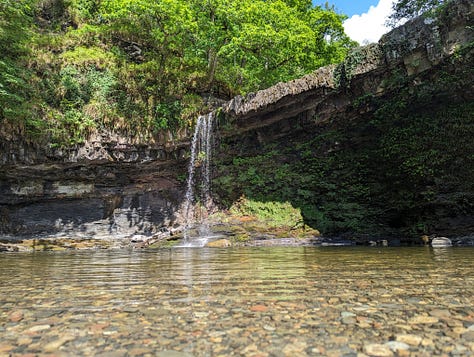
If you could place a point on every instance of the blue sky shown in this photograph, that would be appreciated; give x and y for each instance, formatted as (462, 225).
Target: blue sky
(367, 18)
(349, 7)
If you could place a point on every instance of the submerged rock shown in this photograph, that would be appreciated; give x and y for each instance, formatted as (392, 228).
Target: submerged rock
(441, 242)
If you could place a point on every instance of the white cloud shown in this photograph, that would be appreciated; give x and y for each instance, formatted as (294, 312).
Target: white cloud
(370, 26)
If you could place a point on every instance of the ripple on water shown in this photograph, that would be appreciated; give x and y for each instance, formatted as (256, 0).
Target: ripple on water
(272, 301)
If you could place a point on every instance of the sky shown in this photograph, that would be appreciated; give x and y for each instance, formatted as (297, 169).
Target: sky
(366, 23)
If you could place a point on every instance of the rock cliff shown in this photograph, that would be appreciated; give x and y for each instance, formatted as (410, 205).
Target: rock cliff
(380, 144)
(419, 46)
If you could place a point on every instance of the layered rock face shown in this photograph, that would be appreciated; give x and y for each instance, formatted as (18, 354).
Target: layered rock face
(344, 144)
(409, 51)
(379, 145)
(104, 189)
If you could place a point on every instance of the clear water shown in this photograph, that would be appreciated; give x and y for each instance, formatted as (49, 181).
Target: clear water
(246, 301)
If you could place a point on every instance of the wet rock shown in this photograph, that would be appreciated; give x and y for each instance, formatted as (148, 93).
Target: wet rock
(39, 328)
(170, 353)
(131, 309)
(53, 346)
(378, 350)
(6, 348)
(468, 336)
(346, 314)
(258, 308)
(140, 351)
(409, 339)
(440, 313)
(16, 316)
(294, 349)
(396, 346)
(441, 242)
(269, 327)
(421, 319)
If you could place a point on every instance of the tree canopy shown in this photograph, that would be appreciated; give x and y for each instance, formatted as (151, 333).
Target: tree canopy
(15, 23)
(408, 9)
(143, 66)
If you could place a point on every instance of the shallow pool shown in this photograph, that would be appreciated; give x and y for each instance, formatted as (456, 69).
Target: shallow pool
(277, 301)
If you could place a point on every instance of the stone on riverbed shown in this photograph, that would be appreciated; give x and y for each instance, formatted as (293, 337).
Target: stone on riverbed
(378, 350)
(409, 339)
(422, 319)
(440, 242)
(16, 316)
(397, 346)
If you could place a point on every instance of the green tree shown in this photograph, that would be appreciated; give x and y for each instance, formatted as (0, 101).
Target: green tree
(251, 45)
(15, 23)
(146, 66)
(408, 9)
(216, 47)
(152, 40)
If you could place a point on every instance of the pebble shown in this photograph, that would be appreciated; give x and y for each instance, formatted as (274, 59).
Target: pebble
(345, 314)
(6, 347)
(378, 350)
(143, 305)
(258, 308)
(201, 314)
(397, 346)
(468, 336)
(53, 346)
(440, 313)
(38, 328)
(349, 321)
(412, 340)
(421, 319)
(16, 316)
(269, 327)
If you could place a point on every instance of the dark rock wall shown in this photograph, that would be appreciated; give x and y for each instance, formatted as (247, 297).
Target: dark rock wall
(380, 145)
(108, 199)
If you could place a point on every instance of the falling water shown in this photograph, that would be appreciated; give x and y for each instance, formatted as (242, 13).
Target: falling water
(199, 175)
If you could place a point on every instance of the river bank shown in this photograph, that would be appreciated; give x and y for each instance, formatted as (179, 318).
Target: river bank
(215, 236)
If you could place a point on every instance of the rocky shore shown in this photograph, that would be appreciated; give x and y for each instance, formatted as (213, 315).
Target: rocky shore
(222, 236)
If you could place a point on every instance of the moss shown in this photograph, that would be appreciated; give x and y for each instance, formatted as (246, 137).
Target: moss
(274, 214)
(402, 166)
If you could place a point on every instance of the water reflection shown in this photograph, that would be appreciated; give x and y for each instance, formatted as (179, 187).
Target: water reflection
(221, 301)
(442, 253)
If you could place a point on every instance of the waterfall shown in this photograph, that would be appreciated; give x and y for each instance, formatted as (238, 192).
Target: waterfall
(199, 174)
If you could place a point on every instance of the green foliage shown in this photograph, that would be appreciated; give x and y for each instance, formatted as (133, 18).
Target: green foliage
(15, 22)
(267, 42)
(85, 10)
(403, 167)
(409, 9)
(82, 56)
(143, 67)
(274, 214)
(167, 115)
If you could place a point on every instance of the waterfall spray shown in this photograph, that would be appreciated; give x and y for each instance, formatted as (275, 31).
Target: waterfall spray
(199, 171)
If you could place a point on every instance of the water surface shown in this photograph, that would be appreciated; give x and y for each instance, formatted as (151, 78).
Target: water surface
(246, 301)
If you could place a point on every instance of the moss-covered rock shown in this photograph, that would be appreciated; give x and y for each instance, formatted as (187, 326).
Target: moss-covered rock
(383, 149)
